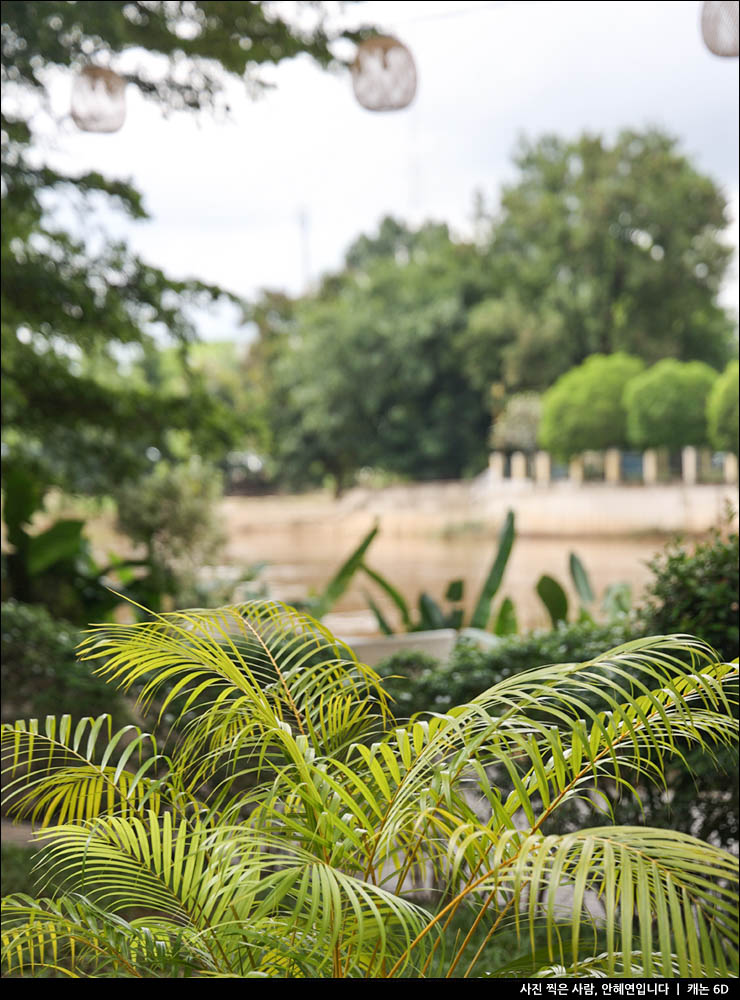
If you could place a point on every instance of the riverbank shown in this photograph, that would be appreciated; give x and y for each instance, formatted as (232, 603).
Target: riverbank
(432, 533)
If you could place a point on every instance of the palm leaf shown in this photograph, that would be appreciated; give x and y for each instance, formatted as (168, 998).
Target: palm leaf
(292, 829)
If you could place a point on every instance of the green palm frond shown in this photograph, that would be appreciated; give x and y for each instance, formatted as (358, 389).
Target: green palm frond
(293, 826)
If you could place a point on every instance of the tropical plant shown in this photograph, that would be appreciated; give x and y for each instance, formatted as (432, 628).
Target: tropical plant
(431, 616)
(286, 835)
(54, 567)
(698, 583)
(321, 602)
(616, 599)
(418, 682)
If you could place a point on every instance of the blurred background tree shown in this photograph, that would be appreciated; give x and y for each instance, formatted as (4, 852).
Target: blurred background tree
(72, 306)
(601, 247)
(365, 372)
(607, 249)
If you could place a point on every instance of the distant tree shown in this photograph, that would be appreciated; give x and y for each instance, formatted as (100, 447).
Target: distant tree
(667, 404)
(70, 308)
(584, 409)
(366, 372)
(505, 341)
(722, 410)
(601, 247)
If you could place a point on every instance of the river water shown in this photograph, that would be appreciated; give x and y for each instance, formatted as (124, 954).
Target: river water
(304, 551)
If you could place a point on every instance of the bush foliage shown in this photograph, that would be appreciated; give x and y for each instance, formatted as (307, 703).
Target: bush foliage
(722, 410)
(694, 588)
(584, 410)
(666, 405)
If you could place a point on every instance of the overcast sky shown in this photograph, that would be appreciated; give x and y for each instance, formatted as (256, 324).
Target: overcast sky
(226, 198)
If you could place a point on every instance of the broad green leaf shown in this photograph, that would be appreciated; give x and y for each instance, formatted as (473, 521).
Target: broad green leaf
(554, 598)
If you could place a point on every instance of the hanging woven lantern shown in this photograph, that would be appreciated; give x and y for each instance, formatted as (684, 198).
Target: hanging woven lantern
(719, 27)
(384, 75)
(98, 100)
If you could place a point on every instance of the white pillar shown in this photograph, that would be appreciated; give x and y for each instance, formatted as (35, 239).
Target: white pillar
(730, 468)
(542, 468)
(575, 469)
(497, 464)
(613, 465)
(650, 471)
(518, 465)
(690, 465)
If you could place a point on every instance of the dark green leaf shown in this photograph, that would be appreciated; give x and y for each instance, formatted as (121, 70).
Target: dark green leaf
(341, 579)
(22, 497)
(482, 612)
(554, 598)
(431, 616)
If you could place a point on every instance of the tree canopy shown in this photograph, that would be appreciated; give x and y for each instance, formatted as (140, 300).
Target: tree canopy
(365, 372)
(70, 309)
(600, 247)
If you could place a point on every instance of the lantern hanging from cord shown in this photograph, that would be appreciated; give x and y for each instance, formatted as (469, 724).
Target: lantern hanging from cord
(384, 74)
(719, 27)
(98, 100)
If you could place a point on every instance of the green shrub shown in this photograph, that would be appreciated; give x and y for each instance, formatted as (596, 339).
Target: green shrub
(40, 671)
(695, 589)
(419, 683)
(722, 410)
(584, 409)
(666, 405)
(172, 513)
